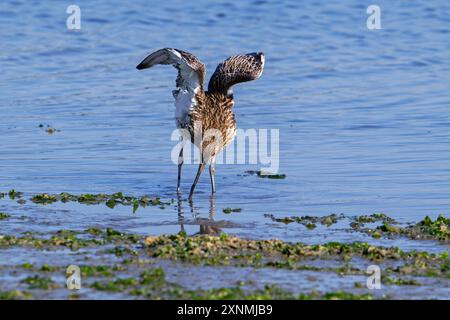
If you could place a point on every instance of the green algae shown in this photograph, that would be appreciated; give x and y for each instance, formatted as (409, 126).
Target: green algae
(153, 278)
(223, 250)
(117, 285)
(375, 217)
(153, 284)
(120, 251)
(309, 222)
(4, 216)
(268, 293)
(27, 265)
(70, 239)
(427, 229)
(262, 174)
(13, 194)
(359, 222)
(438, 229)
(99, 270)
(94, 231)
(237, 293)
(15, 295)
(211, 250)
(85, 270)
(110, 200)
(285, 256)
(399, 281)
(342, 295)
(47, 268)
(229, 210)
(38, 282)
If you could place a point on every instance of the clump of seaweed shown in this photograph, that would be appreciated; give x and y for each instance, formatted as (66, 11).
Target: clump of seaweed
(4, 215)
(15, 295)
(38, 282)
(71, 239)
(228, 250)
(110, 200)
(151, 283)
(309, 222)
(424, 229)
(262, 174)
(438, 229)
(13, 194)
(230, 210)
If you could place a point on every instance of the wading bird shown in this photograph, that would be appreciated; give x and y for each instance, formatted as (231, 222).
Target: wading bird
(198, 111)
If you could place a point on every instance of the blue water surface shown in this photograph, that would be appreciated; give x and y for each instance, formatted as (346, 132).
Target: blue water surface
(363, 115)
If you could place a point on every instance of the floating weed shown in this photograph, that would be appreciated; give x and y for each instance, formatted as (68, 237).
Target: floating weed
(110, 200)
(308, 221)
(13, 194)
(385, 227)
(424, 229)
(37, 282)
(94, 231)
(117, 285)
(155, 276)
(44, 198)
(120, 251)
(71, 239)
(97, 270)
(310, 225)
(48, 268)
(111, 203)
(230, 250)
(269, 292)
(110, 232)
(438, 229)
(4, 216)
(135, 205)
(15, 295)
(262, 174)
(342, 295)
(151, 283)
(399, 281)
(230, 210)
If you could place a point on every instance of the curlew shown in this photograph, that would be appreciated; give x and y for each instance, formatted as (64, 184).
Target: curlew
(206, 114)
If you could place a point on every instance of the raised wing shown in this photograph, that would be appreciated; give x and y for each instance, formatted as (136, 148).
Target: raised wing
(236, 69)
(191, 71)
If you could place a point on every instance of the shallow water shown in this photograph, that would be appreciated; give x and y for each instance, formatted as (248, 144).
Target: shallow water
(363, 115)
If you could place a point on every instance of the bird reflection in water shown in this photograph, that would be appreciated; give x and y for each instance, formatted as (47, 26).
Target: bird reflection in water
(207, 225)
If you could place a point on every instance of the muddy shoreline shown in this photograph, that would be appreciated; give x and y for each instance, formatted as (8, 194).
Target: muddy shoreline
(212, 263)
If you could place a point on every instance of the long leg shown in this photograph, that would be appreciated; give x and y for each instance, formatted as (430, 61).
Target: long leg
(212, 171)
(180, 163)
(199, 172)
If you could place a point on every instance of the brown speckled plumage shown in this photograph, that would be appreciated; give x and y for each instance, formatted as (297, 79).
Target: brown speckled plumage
(214, 112)
(236, 69)
(203, 112)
